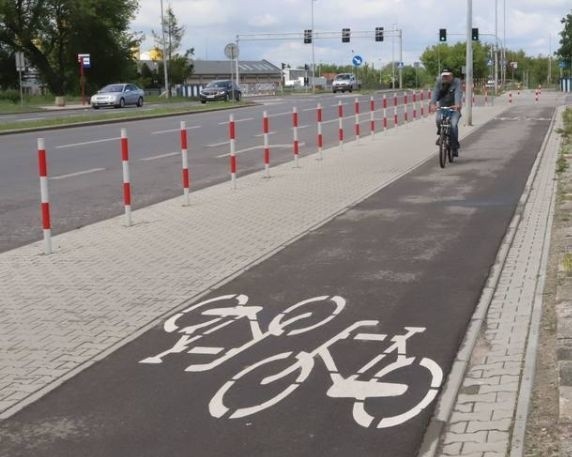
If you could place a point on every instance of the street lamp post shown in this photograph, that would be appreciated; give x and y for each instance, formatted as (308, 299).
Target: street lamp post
(164, 53)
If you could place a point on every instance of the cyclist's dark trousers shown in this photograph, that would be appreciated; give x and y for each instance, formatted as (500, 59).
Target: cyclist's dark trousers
(454, 125)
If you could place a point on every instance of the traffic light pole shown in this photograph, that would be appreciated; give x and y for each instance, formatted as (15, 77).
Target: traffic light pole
(321, 35)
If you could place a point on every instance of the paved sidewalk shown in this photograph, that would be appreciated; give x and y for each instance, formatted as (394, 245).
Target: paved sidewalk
(106, 283)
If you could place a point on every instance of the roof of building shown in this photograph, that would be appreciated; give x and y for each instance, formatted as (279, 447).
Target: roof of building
(245, 67)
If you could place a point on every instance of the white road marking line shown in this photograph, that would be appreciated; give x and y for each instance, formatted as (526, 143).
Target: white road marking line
(370, 337)
(205, 350)
(216, 145)
(258, 135)
(237, 120)
(73, 145)
(159, 132)
(285, 113)
(260, 147)
(161, 156)
(77, 173)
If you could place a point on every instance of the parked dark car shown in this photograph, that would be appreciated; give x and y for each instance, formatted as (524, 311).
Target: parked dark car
(223, 89)
(118, 95)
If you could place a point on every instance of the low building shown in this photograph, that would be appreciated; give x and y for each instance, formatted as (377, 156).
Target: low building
(256, 77)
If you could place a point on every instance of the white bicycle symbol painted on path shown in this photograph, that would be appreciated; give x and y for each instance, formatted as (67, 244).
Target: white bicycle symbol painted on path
(302, 363)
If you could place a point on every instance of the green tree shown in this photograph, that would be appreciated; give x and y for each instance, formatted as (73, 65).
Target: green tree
(565, 50)
(180, 66)
(453, 57)
(8, 75)
(52, 32)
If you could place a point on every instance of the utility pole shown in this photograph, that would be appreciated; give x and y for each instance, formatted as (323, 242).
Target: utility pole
(164, 53)
(469, 64)
(496, 56)
(400, 59)
(393, 57)
(313, 52)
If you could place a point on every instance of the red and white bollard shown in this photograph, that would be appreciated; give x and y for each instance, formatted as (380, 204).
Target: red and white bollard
(415, 105)
(372, 117)
(536, 97)
(341, 124)
(296, 144)
(486, 98)
(421, 103)
(126, 179)
(232, 137)
(405, 108)
(384, 112)
(510, 97)
(44, 197)
(265, 130)
(185, 162)
(395, 118)
(429, 95)
(319, 121)
(356, 110)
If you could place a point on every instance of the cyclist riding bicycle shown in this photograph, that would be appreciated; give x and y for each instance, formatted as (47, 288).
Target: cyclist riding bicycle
(447, 93)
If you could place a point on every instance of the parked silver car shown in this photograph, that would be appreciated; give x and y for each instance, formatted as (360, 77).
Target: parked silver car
(118, 95)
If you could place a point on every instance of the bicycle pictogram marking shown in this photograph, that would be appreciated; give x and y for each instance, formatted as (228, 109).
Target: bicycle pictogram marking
(289, 323)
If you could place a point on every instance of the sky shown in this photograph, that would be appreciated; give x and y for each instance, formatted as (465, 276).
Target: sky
(273, 29)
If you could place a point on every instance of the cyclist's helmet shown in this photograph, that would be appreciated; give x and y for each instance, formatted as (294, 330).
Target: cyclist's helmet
(446, 72)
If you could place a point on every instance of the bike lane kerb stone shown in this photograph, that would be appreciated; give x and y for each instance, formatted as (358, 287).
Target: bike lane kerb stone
(414, 256)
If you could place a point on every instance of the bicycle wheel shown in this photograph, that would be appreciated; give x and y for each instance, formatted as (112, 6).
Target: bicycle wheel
(363, 418)
(301, 366)
(295, 320)
(450, 151)
(442, 150)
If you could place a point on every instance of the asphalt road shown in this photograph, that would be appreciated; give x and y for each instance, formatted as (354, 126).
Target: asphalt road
(85, 168)
(335, 345)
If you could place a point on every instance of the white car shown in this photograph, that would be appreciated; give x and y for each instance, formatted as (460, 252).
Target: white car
(118, 95)
(344, 82)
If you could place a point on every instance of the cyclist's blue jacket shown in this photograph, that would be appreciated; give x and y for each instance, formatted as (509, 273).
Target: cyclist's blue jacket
(447, 96)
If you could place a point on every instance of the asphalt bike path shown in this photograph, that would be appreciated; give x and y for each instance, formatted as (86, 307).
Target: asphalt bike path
(337, 345)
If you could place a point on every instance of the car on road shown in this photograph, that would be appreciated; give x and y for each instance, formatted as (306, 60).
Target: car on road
(222, 89)
(118, 95)
(344, 82)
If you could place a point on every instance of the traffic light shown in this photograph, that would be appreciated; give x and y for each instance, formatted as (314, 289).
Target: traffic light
(379, 34)
(442, 34)
(307, 36)
(475, 34)
(283, 66)
(345, 35)
(306, 67)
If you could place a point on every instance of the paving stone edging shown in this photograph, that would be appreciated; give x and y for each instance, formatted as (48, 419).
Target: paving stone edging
(563, 235)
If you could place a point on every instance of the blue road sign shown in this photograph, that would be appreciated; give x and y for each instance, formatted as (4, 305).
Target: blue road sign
(357, 60)
(489, 63)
